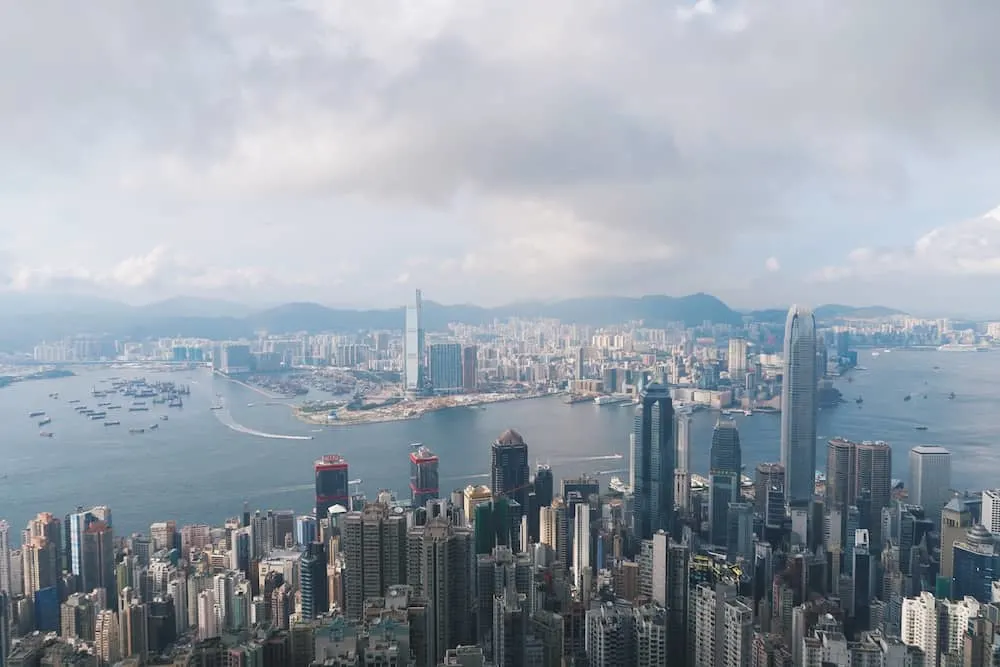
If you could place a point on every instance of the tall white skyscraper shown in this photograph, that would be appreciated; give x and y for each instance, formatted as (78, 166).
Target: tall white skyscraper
(991, 510)
(208, 624)
(5, 579)
(930, 479)
(737, 360)
(413, 346)
(798, 407)
(920, 624)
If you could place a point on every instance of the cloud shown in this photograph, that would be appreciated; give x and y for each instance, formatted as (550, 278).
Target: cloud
(772, 264)
(965, 249)
(565, 147)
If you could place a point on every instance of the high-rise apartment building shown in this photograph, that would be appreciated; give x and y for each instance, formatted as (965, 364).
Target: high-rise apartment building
(41, 565)
(581, 552)
(413, 346)
(332, 484)
(373, 541)
(956, 519)
(509, 469)
(930, 479)
(655, 465)
(798, 407)
(445, 361)
(470, 368)
(424, 483)
(97, 560)
(107, 645)
(737, 360)
(440, 568)
(725, 463)
(162, 535)
(313, 581)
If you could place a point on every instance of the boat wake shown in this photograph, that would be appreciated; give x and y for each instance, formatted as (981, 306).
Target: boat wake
(227, 420)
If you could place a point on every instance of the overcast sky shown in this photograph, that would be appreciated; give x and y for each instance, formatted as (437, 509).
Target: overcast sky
(348, 151)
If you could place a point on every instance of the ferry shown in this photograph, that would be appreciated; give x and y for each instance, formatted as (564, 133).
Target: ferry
(617, 485)
(37, 413)
(136, 430)
(875, 354)
(748, 413)
(153, 427)
(113, 422)
(47, 420)
(46, 434)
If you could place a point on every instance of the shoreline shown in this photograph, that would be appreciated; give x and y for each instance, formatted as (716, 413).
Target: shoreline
(405, 411)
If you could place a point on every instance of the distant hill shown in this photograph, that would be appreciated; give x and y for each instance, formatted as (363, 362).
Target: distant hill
(29, 321)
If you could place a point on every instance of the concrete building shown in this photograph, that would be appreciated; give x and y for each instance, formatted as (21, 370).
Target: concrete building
(930, 479)
(798, 407)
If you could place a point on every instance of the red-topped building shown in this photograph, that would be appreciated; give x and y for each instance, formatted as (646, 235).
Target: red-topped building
(423, 476)
(332, 486)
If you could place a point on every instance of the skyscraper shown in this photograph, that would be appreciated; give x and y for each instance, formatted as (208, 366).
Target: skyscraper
(737, 360)
(413, 347)
(313, 585)
(798, 407)
(725, 461)
(654, 474)
(859, 474)
(509, 467)
(930, 479)
(374, 545)
(423, 476)
(5, 580)
(97, 561)
(470, 368)
(332, 487)
(445, 361)
(440, 567)
(682, 475)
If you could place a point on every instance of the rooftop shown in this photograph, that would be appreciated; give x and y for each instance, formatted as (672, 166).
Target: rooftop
(929, 449)
(510, 437)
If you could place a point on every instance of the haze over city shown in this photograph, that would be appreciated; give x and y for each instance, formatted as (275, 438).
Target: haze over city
(347, 152)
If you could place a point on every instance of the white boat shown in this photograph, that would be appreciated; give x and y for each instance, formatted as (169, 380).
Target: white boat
(748, 413)
(875, 354)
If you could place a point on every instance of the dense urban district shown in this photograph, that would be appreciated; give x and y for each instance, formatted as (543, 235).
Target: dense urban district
(797, 562)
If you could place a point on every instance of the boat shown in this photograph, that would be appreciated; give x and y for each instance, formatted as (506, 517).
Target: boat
(249, 405)
(617, 485)
(113, 422)
(74, 400)
(726, 413)
(920, 428)
(138, 408)
(748, 413)
(98, 415)
(54, 395)
(875, 354)
(859, 400)
(43, 422)
(951, 396)
(46, 434)
(164, 418)
(37, 413)
(136, 430)
(114, 407)
(216, 407)
(907, 397)
(153, 427)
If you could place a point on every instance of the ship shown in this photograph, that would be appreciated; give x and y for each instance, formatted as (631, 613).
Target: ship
(907, 397)
(859, 400)
(920, 428)
(37, 413)
(138, 408)
(216, 407)
(43, 422)
(610, 399)
(572, 399)
(136, 430)
(963, 347)
(153, 427)
(164, 418)
(748, 413)
(617, 485)
(46, 434)
(74, 400)
(951, 396)
(113, 422)
(98, 415)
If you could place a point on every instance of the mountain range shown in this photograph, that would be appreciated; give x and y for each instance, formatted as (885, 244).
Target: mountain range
(28, 320)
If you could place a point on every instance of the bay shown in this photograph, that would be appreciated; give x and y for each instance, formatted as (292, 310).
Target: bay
(196, 469)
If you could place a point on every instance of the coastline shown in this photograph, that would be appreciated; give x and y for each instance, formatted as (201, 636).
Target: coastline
(407, 410)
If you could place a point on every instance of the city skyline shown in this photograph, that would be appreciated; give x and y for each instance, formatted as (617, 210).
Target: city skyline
(814, 184)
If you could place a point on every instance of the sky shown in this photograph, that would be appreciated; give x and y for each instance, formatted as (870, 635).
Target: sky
(346, 152)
